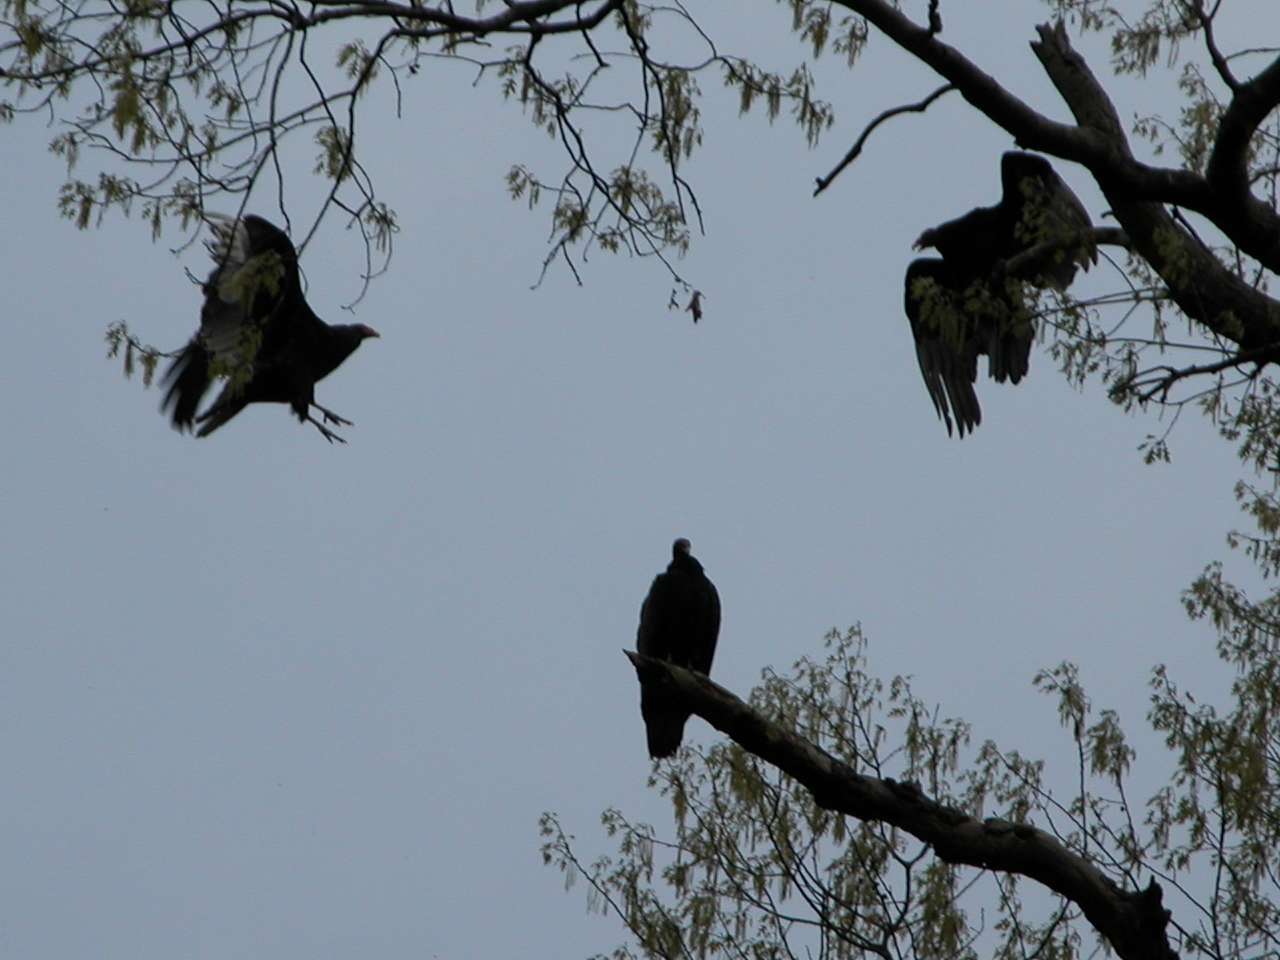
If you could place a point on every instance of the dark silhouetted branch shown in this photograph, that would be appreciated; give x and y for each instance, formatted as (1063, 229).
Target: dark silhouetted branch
(1205, 19)
(856, 149)
(1147, 384)
(1247, 221)
(1198, 282)
(1242, 216)
(1134, 922)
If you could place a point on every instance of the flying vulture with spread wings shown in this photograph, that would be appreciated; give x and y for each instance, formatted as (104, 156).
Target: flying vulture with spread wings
(258, 333)
(679, 622)
(970, 301)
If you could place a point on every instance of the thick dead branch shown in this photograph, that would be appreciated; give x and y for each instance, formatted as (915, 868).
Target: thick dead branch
(1133, 921)
(1241, 213)
(1029, 127)
(1250, 224)
(1201, 286)
(1248, 108)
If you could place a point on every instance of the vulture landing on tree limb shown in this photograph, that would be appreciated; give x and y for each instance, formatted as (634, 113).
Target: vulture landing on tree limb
(679, 622)
(968, 303)
(257, 331)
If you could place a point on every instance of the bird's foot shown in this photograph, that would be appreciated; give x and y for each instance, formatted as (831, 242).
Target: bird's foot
(325, 431)
(331, 417)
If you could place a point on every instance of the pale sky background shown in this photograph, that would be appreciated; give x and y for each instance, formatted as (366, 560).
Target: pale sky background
(267, 697)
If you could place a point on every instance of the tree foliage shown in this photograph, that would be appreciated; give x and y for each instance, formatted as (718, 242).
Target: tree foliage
(902, 840)
(190, 104)
(845, 817)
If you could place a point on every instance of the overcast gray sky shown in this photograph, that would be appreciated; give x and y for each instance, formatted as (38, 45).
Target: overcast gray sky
(267, 697)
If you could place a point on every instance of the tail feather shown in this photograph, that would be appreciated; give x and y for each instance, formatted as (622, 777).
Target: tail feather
(187, 379)
(663, 723)
(222, 410)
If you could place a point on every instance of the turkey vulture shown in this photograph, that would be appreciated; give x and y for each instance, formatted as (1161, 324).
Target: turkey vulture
(969, 303)
(679, 623)
(257, 331)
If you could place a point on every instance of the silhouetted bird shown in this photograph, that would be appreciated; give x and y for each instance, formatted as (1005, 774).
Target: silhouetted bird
(970, 302)
(257, 331)
(679, 622)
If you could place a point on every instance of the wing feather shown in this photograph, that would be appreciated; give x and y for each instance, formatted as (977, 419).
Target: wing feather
(947, 353)
(1043, 209)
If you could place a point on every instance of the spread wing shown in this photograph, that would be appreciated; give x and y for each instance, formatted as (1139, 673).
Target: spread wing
(971, 302)
(1043, 209)
(946, 348)
(246, 313)
(251, 290)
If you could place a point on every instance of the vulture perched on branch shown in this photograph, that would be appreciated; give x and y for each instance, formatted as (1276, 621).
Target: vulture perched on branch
(257, 332)
(971, 302)
(679, 623)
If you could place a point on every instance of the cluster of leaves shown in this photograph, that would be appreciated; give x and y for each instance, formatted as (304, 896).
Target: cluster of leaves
(204, 100)
(254, 286)
(756, 867)
(135, 353)
(644, 206)
(185, 103)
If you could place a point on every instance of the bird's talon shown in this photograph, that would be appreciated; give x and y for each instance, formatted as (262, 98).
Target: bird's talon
(331, 417)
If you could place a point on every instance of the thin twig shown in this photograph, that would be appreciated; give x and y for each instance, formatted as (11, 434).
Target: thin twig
(921, 107)
(1161, 385)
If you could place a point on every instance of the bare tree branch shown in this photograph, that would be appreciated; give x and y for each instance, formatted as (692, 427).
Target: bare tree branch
(919, 107)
